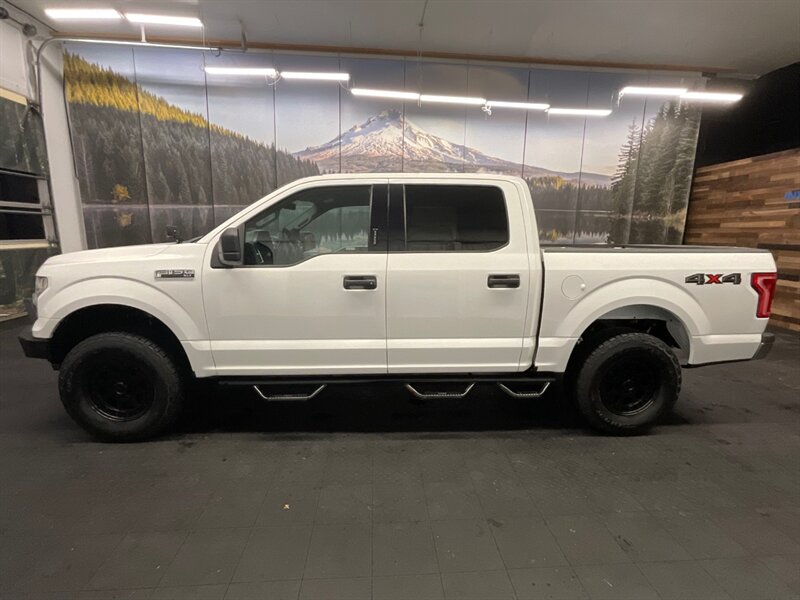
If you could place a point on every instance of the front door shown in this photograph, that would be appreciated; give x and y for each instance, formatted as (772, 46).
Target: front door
(311, 296)
(458, 277)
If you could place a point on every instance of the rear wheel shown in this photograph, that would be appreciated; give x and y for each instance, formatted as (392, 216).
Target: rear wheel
(627, 383)
(120, 387)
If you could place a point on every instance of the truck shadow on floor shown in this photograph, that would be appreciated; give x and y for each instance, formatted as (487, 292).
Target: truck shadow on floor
(378, 408)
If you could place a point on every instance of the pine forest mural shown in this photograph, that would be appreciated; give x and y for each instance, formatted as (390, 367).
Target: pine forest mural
(158, 142)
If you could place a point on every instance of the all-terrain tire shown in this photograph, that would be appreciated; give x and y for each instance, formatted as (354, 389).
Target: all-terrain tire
(627, 383)
(121, 387)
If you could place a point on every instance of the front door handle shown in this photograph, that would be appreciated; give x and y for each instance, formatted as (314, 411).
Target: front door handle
(503, 281)
(360, 282)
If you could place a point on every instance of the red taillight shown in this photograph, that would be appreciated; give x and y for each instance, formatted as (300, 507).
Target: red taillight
(764, 284)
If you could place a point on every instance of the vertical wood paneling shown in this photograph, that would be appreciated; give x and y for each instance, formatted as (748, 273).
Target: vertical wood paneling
(743, 203)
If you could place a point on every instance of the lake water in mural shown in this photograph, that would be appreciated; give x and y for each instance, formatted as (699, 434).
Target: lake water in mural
(159, 142)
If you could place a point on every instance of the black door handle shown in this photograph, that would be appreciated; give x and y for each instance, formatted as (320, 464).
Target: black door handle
(503, 281)
(360, 282)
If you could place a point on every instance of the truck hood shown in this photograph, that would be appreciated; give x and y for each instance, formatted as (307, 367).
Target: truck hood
(108, 254)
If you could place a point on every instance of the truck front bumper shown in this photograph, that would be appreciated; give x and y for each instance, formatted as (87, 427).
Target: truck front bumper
(34, 347)
(767, 339)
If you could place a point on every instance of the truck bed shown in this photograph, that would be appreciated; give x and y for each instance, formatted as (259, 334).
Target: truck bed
(651, 248)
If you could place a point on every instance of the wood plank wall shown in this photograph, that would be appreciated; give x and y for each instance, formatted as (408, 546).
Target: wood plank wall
(743, 203)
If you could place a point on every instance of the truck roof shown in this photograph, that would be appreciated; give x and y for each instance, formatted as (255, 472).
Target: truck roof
(444, 176)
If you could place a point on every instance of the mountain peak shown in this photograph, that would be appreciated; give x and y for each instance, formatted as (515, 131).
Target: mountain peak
(390, 137)
(390, 114)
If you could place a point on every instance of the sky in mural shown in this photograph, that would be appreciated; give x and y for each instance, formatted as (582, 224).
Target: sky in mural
(308, 113)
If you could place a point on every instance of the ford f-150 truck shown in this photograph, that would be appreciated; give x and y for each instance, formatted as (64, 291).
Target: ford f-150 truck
(434, 281)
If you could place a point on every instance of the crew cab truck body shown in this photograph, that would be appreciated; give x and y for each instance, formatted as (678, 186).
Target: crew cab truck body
(436, 281)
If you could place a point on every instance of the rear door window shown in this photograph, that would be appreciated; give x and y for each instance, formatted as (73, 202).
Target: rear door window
(455, 218)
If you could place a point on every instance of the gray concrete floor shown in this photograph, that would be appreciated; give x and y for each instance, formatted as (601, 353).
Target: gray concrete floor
(364, 493)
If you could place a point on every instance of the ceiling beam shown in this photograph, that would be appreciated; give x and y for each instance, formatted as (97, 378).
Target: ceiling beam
(324, 49)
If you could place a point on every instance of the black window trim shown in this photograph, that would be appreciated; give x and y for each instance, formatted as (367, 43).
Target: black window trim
(397, 220)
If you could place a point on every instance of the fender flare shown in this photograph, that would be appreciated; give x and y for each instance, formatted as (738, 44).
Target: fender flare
(637, 291)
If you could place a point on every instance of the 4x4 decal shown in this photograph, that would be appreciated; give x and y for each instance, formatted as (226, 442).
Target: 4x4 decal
(707, 278)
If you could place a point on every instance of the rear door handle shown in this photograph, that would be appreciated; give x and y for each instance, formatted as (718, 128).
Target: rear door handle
(360, 282)
(503, 281)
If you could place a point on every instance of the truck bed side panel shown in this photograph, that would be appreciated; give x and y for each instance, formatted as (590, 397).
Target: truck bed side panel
(586, 284)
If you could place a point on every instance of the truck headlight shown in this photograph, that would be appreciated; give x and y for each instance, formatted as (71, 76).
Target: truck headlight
(39, 287)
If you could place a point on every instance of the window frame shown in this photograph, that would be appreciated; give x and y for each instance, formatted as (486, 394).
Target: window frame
(41, 208)
(378, 199)
(398, 221)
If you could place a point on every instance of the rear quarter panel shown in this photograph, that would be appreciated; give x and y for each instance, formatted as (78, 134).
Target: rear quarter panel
(583, 285)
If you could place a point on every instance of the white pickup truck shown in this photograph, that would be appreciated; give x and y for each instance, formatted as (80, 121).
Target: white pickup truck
(434, 281)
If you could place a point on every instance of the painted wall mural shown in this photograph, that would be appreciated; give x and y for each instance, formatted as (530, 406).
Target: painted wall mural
(158, 141)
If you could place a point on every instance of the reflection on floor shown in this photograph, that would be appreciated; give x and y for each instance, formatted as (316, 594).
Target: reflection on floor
(366, 493)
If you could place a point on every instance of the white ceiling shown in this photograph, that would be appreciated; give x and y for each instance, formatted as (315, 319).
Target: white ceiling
(747, 36)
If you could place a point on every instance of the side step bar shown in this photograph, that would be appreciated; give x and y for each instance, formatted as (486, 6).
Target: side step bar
(427, 388)
(289, 397)
(540, 387)
(431, 395)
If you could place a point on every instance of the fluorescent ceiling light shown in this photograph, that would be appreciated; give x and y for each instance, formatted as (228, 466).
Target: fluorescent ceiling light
(712, 96)
(453, 99)
(315, 76)
(245, 71)
(82, 13)
(163, 20)
(587, 112)
(523, 105)
(385, 94)
(145, 44)
(633, 90)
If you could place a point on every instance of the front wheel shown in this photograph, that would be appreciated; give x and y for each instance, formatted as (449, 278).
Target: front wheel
(627, 383)
(120, 387)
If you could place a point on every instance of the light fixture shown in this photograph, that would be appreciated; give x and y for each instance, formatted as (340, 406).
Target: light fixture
(243, 71)
(522, 105)
(315, 76)
(587, 112)
(633, 90)
(82, 13)
(453, 99)
(145, 44)
(385, 94)
(163, 20)
(712, 96)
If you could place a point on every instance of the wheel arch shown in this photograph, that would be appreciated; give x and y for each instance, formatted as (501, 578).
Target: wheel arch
(647, 304)
(99, 318)
(655, 320)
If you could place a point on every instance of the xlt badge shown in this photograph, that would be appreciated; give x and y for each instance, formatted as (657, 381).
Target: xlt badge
(175, 274)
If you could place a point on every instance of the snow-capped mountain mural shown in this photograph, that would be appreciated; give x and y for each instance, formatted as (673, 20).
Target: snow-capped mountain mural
(387, 139)
(188, 150)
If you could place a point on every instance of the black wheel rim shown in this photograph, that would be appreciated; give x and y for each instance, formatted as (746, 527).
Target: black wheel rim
(629, 384)
(118, 386)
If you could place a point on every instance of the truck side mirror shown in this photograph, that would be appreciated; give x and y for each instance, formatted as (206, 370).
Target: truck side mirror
(230, 247)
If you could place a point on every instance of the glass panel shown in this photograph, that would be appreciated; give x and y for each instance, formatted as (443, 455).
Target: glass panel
(454, 218)
(306, 119)
(21, 226)
(309, 223)
(241, 113)
(14, 188)
(22, 139)
(372, 128)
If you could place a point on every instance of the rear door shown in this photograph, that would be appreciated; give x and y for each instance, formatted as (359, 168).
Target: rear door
(458, 277)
